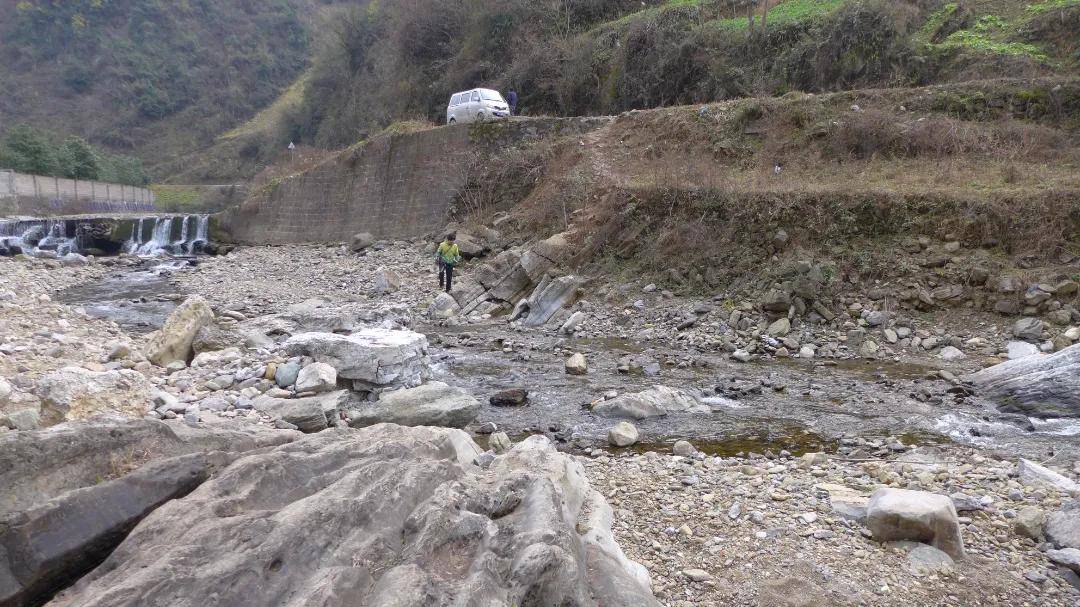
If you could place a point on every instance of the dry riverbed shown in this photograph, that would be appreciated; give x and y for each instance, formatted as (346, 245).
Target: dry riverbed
(757, 527)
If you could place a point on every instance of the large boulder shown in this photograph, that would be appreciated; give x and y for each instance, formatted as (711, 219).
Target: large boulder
(374, 359)
(310, 414)
(920, 516)
(654, 402)
(173, 342)
(377, 517)
(444, 306)
(1039, 386)
(432, 404)
(1063, 526)
(550, 296)
(44, 547)
(74, 393)
(1035, 474)
(39, 465)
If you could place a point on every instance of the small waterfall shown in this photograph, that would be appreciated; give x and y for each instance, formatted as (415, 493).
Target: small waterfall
(149, 236)
(184, 244)
(136, 237)
(160, 239)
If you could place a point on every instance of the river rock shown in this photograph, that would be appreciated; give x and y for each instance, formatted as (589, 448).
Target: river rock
(5, 391)
(1029, 329)
(444, 306)
(311, 414)
(432, 404)
(1039, 386)
(1034, 474)
(173, 342)
(515, 397)
(901, 514)
(779, 328)
(951, 353)
(213, 337)
(1029, 523)
(1063, 526)
(73, 393)
(316, 377)
(361, 241)
(386, 281)
(683, 448)
(1020, 349)
(622, 434)
(1067, 557)
(373, 358)
(554, 544)
(654, 402)
(576, 365)
(500, 443)
(285, 375)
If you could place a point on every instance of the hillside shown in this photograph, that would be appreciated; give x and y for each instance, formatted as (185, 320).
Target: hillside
(388, 62)
(147, 77)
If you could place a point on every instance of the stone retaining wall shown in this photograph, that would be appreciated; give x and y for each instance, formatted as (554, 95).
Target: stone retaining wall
(399, 186)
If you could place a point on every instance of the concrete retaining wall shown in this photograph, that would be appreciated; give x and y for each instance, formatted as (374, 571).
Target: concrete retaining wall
(39, 196)
(399, 186)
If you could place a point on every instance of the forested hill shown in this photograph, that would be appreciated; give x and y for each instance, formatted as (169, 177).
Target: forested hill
(147, 77)
(205, 90)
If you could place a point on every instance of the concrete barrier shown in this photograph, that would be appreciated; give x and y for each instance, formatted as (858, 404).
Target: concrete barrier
(39, 196)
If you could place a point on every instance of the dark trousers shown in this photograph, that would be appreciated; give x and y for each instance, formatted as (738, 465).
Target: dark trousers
(446, 276)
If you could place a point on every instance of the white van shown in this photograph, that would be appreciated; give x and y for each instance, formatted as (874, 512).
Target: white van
(476, 105)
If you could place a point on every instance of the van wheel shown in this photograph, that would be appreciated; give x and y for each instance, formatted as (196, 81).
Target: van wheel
(481, 117)
(451, 121)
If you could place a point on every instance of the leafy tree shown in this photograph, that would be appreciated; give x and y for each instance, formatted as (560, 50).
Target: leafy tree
(78, 159)
(27, 150)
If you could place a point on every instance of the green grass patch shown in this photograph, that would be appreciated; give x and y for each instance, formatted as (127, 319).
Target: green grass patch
(176, 197)
(791, 11)
(981, 43)
(1050, 5)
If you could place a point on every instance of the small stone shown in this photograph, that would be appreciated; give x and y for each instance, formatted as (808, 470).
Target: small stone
(623, 434)
(683, 448)
(576, 365)
(500, 443)
(697, 575)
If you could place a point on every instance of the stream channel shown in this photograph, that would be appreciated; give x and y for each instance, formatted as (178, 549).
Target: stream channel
(761, 406)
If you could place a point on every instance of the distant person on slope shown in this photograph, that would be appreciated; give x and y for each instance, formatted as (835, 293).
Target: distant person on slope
(447, 256)
(511, 100)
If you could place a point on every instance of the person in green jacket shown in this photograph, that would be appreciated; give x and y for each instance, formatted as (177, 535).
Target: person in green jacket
(447, 256)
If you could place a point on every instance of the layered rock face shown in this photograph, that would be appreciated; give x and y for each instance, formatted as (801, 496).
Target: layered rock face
(73, 491)
(1040, 386)
(385, 516)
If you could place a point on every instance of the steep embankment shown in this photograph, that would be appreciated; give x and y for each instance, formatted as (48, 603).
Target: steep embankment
(399, 185)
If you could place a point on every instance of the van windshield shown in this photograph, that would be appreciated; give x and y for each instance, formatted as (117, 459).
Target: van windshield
(491, 96)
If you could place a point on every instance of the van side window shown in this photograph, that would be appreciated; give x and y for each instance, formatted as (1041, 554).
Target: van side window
(456, 99)
(475, 96)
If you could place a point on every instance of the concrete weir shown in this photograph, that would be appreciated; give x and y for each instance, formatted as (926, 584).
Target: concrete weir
(145, 235)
